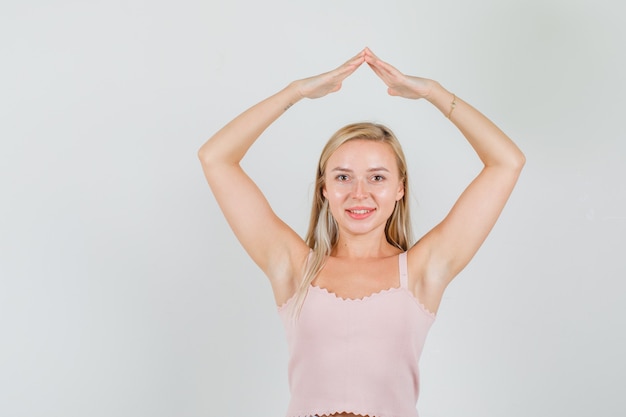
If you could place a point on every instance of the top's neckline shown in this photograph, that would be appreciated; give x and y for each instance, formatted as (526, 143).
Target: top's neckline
(374, 295)
(348, 299)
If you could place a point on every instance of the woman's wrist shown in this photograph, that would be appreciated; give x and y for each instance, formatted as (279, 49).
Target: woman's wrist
(292, 94)
(431, 88)
(443, 99)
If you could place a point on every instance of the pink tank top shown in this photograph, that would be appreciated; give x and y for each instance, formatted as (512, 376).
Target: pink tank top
(356, 356)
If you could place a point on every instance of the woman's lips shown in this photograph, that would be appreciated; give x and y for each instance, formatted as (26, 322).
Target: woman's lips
(360, 212)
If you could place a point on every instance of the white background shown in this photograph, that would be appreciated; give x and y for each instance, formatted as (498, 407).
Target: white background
(122, 290)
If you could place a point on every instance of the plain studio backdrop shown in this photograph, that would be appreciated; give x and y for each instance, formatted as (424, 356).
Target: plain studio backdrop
(123, 291)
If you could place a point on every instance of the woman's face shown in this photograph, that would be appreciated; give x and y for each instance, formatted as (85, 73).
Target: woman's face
(362, 185)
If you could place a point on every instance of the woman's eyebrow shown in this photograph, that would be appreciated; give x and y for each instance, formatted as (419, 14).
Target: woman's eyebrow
(378, 169)
(373, 169)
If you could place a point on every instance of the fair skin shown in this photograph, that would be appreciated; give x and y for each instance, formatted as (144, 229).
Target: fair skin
(362, 185)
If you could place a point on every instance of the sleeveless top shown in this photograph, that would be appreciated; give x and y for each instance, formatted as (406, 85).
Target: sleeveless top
(356, 355)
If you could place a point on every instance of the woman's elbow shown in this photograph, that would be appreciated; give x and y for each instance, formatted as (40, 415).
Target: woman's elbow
(519, 161)
(206, 154)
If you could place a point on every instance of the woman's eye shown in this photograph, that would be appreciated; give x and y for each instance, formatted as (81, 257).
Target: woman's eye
(378, 178)
(342, 177)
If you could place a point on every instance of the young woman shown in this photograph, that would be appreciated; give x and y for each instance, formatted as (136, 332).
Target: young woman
(357, 297)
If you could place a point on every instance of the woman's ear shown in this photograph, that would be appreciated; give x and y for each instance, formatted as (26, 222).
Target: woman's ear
(400, 193)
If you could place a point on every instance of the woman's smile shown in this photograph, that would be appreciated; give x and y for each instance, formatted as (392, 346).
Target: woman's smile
(359, 213)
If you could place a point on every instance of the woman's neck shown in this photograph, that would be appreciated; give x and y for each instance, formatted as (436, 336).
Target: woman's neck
(363, 248)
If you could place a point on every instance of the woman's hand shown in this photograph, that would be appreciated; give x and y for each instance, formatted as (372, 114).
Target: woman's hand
(329, 82)
(399, 84)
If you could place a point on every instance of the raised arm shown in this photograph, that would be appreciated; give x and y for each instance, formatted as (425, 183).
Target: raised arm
(275, 247)
(449, 246)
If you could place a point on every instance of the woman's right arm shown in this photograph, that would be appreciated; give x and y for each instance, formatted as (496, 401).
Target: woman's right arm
(272, 245)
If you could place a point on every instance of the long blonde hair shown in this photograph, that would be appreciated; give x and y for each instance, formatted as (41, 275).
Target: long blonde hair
(323, 232)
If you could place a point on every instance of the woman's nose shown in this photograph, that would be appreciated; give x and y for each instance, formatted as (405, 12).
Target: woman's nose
(360, 189)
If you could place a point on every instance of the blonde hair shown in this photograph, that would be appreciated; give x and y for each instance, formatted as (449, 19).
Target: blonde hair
(323, 232)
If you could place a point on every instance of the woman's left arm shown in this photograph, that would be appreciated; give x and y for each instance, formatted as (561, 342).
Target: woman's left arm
(451, 244)
(455, 240)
